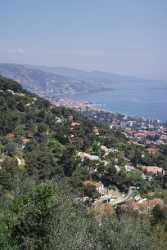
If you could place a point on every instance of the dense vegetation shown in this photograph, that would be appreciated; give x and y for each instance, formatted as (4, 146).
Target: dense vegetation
(41, 179)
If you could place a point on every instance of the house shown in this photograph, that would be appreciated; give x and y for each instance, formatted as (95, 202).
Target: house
(152, 150)
(88, 183)
(105, 150)
(133, 142)
(108, 150)
(129, 167)
(104, 162)
(25, 141)
(97, 185)
(11, 91)
(147, 205)
(163, 138)
(75, 124)
(70, 118)
(58, 120)
(87, 156)
(153, 170)
(28, 104)
(11, 136)
(118, 169)
(96, 131)
(143, 206)
(147, 177)
(20, 161)
(100, 188)
(20, 94)
(1, 160)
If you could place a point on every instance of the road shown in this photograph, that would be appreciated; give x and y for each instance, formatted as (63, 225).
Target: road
(110, 200)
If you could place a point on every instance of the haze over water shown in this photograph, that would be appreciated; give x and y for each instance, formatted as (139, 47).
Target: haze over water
(149, 101)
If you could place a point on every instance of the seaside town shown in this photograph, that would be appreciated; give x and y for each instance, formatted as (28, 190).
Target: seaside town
(139, 130)
(146, 135)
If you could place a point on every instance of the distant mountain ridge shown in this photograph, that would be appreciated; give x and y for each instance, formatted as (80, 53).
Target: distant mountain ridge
(47, 83)
(86, 75)
(90, 75)
(62, 82)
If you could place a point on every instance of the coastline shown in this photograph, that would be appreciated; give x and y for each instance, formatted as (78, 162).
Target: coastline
(85, 106)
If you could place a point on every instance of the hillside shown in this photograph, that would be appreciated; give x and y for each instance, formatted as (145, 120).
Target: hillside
(28, 123)
(61, 176)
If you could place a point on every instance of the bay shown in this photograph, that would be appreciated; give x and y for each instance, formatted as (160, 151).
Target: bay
(139, 99)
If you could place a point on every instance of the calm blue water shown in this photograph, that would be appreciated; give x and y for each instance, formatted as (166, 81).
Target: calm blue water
(148, 101)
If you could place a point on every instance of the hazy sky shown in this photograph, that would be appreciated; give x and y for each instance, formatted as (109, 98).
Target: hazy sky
(124, 36)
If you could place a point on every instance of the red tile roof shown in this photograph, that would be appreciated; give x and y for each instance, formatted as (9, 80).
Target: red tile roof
(152, 170)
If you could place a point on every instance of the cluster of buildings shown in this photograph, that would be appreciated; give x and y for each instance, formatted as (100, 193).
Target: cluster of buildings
(144, 131)
(150, 171)
(68, 103)
(142, 206)
(148, 136)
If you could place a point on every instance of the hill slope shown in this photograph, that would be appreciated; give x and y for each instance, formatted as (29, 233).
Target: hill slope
(30, 123)
(52, 160)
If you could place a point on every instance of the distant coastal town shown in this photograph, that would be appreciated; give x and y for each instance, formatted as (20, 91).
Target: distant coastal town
(139, 130)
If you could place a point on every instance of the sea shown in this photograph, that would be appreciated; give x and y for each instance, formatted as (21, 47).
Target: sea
(142, 99)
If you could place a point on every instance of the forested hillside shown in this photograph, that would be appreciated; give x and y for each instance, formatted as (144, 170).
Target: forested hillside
(51, 161)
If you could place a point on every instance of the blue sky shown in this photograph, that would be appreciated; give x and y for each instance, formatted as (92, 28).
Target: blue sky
(121, 36)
